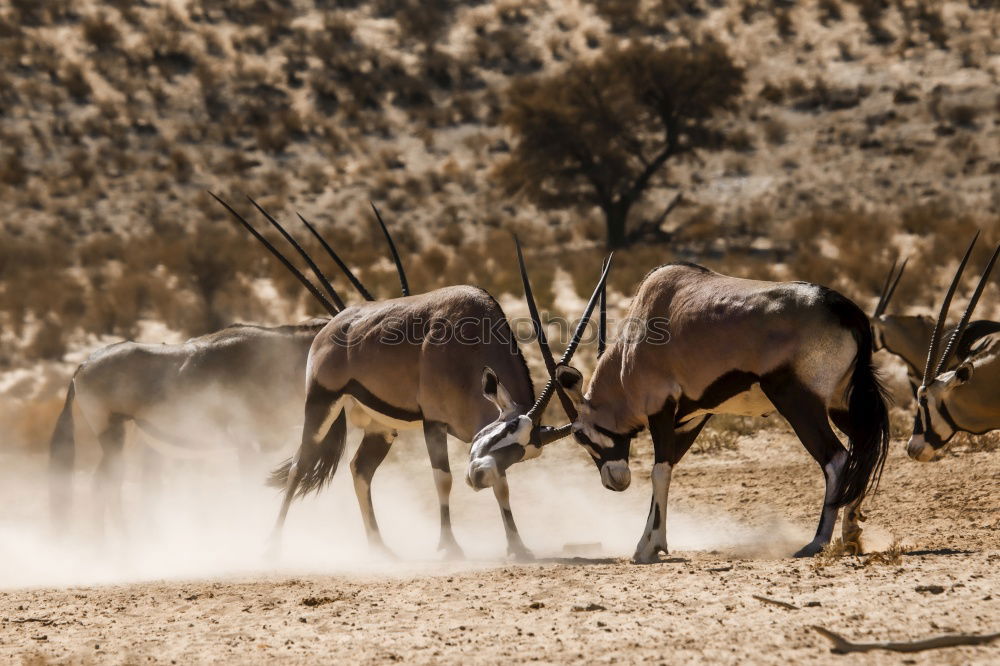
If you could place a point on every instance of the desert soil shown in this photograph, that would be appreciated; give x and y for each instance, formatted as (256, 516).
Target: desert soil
(698, 606)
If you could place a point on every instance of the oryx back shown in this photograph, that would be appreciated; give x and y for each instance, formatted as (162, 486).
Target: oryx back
(724, 334)
(421, 358)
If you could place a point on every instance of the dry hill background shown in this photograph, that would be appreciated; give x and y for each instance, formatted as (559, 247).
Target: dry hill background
(865, 128)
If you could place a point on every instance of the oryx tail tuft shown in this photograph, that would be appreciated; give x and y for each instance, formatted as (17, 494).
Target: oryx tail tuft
(315, 462)
(868, 412)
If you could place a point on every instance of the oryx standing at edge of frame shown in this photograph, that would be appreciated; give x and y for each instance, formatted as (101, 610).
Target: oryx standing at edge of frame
(447, 361)
(962, 399)
(733, 346)
(906, 336)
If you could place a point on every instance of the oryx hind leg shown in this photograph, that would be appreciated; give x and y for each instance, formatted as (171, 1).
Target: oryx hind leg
(807, 414)
(436, 438)
(850, 525)
(323, 434)
(670, 442)
(374, 447)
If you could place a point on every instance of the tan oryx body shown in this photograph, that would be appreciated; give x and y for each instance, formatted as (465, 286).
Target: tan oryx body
(408, 363)
(698, 343)
(445, 361)
(964, 398)
(906, 336)
(239, 388)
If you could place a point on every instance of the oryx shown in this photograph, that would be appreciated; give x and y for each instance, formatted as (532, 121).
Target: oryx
(700, 343)
(964, 398)
(236, 387)
(445, 361)
(906, 336)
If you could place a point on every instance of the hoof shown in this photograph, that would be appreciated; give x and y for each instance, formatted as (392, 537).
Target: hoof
(520, 554)
(809, 550)
(853, 547)
(649, 556)
(382, 552)
(451, 552)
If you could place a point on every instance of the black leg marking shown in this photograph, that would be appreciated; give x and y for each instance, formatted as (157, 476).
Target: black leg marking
(436, 438)
(373, 450)
(807, 415)
(515, 546)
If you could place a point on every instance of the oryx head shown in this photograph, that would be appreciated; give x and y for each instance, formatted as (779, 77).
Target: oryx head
(608, 449)
(517, 435)
(933, 425)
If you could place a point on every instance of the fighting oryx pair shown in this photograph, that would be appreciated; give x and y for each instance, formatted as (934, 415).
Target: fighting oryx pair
(734, 347)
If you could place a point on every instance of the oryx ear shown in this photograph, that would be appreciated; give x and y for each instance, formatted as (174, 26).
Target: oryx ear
(963, 373)
(571, 381)
(494, 391)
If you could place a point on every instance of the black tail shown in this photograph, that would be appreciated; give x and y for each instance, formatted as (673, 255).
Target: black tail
(62, 452)
(868, 412)
(314, 463)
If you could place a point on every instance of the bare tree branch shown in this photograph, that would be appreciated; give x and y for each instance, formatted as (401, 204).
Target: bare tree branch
(843, 646)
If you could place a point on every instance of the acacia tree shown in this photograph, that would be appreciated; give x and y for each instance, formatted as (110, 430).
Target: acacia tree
(597, 133)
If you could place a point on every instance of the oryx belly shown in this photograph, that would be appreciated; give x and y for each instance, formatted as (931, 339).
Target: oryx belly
(751, 402)
(374, 416)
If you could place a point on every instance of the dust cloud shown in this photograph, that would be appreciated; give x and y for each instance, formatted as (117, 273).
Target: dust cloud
(212, 517)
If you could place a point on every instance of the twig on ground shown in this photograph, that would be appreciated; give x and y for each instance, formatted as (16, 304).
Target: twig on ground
(776, 602)
(44, 621)
(843, 646)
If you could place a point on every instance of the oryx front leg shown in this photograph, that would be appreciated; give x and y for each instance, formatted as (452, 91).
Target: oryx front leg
(373, 450)
(436, 438)
(670, 442)
(654, 538)
(515, 546)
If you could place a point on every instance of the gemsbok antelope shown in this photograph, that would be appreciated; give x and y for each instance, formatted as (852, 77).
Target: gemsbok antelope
(447, 361)
(963, 399)
(906, 336)
(229, 389)
(700, 343)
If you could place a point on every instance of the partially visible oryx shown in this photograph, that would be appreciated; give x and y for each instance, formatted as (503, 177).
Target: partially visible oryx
(232, 388)
(701, 343)
(906, 336)
(965, 398)
(445, 361)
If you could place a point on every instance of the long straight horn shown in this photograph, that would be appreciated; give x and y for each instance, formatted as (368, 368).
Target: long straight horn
(885, 289)
(602, 329)
(334, 296)
(536, 410)
(895, 283)
(969, 309)
(317, 294)
(943, 314)
(404, 285)
(365, 294)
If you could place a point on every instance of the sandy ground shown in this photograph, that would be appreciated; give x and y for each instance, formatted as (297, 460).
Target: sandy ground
(735, 517)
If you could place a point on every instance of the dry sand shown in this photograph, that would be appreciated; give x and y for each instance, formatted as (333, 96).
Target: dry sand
(735, 517)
